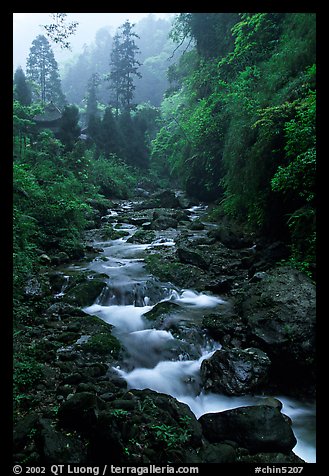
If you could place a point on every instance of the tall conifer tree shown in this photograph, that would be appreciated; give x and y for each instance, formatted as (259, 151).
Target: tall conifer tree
(42, 69)
(124, 66)
(22, 90)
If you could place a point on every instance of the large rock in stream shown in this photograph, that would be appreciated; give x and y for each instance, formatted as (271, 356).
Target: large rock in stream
(235, 371)
(280, 312)
(139, 426)
(258, 428)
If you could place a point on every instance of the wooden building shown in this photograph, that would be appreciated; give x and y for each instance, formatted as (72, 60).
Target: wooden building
(49, 119)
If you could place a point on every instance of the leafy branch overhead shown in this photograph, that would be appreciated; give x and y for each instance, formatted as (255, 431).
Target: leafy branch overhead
(60, 30)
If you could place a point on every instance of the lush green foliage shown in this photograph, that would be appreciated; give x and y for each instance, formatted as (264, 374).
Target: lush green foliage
(238, 127)
(53, 182)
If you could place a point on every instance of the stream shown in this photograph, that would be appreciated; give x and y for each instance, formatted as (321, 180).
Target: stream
(157, 358)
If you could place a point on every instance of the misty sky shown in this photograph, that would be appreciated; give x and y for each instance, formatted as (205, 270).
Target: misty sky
(26, 26)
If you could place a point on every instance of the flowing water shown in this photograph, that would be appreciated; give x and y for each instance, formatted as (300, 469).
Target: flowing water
(157, 359)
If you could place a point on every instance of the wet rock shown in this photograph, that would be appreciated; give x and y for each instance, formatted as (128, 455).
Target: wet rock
(63, 310)
(195, 258)
(166, 267)
(22, 430)
(68, 354)
(225, 325)
(196, 225)
(74, 379)
(142, 236)
(218, 453)
(87, 387)
(163, 221)
(138, 220)
(103, 343)
(145, 427)
(265, 258)
(85, 294)
(57, 280)
(107, 232)
(57, 446)
(166, 199)
(257, 428)
(271, 402)
(80, 412)
(131, 293)
(60, 258)
(235, 371)
(90, 325)
(259, 276)
(44, 259)
(221, 286)
(280, 312)
(64, 391)
(147, 225)
(67, 337)
(92, 370)
(141, 192)
(162, 311)
(230, 238)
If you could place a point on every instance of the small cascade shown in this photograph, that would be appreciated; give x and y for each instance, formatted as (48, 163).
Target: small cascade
(64, 287)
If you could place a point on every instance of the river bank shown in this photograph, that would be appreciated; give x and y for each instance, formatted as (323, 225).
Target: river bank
(170, 330)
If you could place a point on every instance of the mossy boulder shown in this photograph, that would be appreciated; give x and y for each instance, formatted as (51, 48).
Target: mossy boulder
(143, 426)
(167, 268)
(103, 343)
(85, 293)
(162, 310)
(107, 232)
(142, 236)
(196, 225)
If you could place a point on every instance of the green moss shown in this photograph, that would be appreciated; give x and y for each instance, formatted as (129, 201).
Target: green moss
(162, 309)
(103, 343)
(142, 236)
(85, 293)
(169, 270)
(109, 233)
(27, 373)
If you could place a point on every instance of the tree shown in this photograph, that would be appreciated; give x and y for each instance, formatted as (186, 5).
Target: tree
(109, 134)
(22, 90)
(134, 150)
(211, 32)
(42, 69)
(69, 129)
(124, 66)
(93, 83)
(59, 31)
(115, 74)
(93, 59)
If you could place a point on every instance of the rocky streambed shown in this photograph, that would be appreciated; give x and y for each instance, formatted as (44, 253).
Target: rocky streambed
(174, 340)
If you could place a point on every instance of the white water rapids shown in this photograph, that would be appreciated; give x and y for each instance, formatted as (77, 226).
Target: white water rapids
(155, 358)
